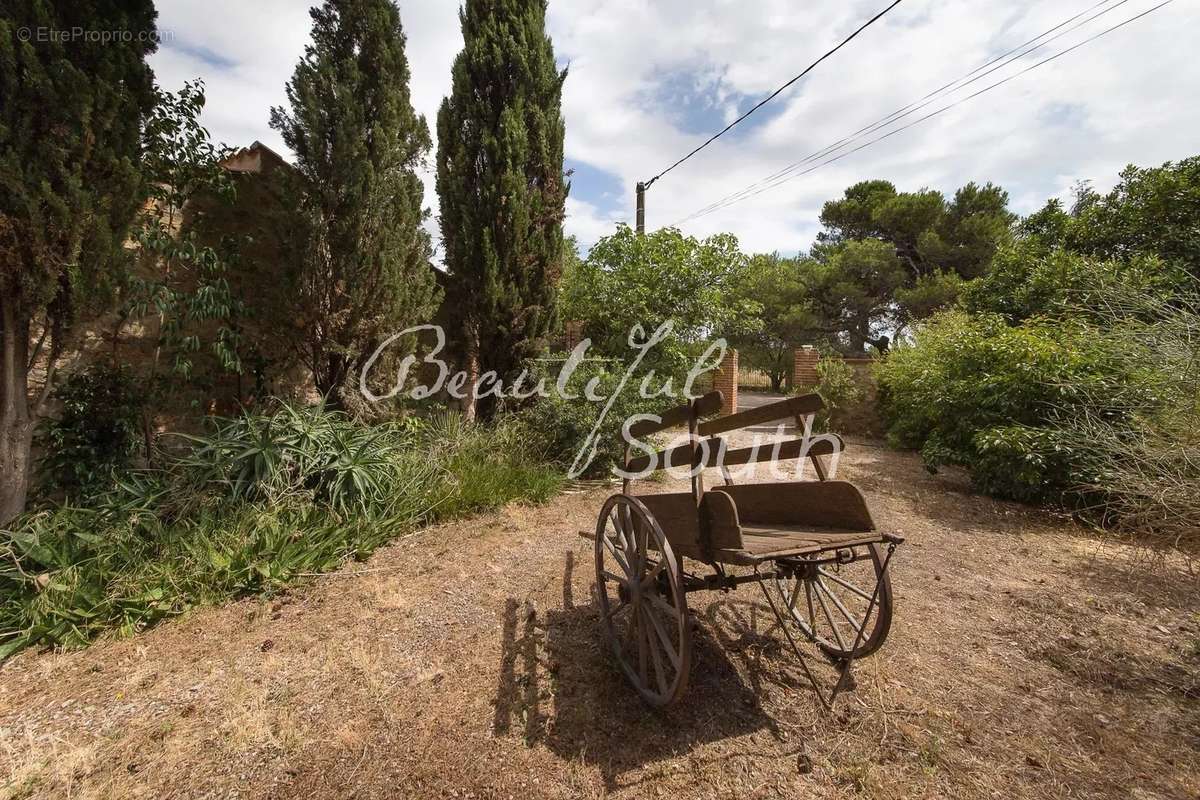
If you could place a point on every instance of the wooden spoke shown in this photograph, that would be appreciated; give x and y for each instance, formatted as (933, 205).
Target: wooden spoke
(663, 638)
(844, 583)
(854, 623)
(660, 673)
(829, 617)
(618, 608)
(612, 576)
(659, 602)
(617, 554)
(812, 614)
(652, 576)
(644, 644)
(796, 594)
(633, 630)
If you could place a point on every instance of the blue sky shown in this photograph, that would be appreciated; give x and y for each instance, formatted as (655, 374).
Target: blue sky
(650, 81)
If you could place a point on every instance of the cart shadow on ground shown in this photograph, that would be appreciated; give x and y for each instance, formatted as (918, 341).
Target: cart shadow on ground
(560, 687)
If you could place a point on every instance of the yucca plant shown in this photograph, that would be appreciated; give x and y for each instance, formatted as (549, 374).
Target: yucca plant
(252, 505)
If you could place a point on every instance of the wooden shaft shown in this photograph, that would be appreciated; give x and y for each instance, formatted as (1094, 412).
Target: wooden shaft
(641, 208)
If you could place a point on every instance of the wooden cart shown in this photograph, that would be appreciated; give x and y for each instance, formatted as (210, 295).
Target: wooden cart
(811, 546)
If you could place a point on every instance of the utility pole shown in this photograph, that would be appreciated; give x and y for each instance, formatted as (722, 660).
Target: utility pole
(641, 208)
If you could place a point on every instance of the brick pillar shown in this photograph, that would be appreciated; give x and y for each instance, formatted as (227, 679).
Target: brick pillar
(572, 334)
(725, 381)
(804, 370)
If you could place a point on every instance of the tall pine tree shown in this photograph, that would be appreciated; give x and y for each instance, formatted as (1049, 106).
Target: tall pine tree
(365, 271)
(500, 182)
(71, 115)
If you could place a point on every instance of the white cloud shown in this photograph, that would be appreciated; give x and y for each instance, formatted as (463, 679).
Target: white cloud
(1127, 97)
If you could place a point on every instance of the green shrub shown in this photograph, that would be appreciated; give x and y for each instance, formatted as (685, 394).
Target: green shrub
(969, 385)
(839, 390)
(559, 427)
(95, 433)
(1026, 281)
(252, 506)
(1140, 471)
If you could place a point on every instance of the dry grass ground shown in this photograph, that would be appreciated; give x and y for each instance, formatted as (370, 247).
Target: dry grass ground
(1026, 660)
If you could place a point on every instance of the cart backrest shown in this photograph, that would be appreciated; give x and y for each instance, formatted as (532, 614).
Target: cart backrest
(680, 415)
(822, 504)
(714, 452)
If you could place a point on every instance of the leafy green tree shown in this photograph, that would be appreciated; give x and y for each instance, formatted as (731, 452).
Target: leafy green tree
(501, 184)
(630, 280)
(365, 268)
(268, 239)
(783, 318)
(71, 115)
(973, 390)
(1027, 281)
(180, 288)
(929, 234)
(852, 290)
(1152, 211)
(938, 244)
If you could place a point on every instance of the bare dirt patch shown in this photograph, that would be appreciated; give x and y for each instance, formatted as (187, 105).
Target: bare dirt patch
(1025, 660)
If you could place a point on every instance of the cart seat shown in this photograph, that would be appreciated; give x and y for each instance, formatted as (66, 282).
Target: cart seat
(761, 543)
(752, 523)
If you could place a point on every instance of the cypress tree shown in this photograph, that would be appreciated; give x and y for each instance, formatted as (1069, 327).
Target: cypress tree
(500, 182)
(365, 271)
(71, 114)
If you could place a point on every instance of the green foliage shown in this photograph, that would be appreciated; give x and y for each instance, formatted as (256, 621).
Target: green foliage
(889, 258)
(1070, 375)
(489, 466)
(95, 433)
(256, 504)
(558, 426)
(969, 386)
(930, 293)
(1027, 280)
(929, 234)
(363, 271)
(1140, 471)
(771, 290)
(1152, 211)
(630, 280)
(181, 283)
(501, 186)
(839, 390)
(852, 290)
(70, 133)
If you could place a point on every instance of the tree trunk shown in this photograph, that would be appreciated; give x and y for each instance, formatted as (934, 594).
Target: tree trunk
(329, 379)
(472, 369)
(16, 428)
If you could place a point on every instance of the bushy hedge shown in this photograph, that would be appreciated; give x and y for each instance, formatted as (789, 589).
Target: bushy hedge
(558, 426)
(972, 390)
(1095, 406)
(253, 505)
(95, 433)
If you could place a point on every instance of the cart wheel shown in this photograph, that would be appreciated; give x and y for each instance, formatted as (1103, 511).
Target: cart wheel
(828, 603)
(642, 602)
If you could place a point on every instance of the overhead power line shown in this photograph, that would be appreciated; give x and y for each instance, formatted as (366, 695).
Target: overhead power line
(774, 94)
(900, 113)
(933, 114)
